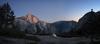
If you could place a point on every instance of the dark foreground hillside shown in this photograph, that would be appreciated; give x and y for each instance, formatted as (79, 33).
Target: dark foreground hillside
(44, 40)
(47, 39)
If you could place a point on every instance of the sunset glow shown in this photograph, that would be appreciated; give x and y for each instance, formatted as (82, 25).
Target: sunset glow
(54, 10)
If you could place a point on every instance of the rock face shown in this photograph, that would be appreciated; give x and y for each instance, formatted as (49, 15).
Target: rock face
(32, 24)
(30, 18)
(25, 26)
(27, 23)
(65, 26)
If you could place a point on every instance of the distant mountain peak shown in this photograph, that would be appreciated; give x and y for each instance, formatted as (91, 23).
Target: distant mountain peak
(30, 18)
(29, 14)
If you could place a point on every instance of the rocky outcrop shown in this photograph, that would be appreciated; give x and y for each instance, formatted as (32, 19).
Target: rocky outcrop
(65, 26)
(89, 24)
(32, 24)
(30, 18)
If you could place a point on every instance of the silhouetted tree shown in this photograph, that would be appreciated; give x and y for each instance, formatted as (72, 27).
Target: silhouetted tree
(6, 17)
(7, 27)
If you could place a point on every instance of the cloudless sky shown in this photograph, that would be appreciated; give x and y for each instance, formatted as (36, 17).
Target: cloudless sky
(54, 10)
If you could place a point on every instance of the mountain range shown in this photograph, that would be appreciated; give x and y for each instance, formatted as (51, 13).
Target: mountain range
(32, 24)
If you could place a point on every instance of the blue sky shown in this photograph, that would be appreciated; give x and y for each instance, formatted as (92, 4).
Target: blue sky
(54, 10)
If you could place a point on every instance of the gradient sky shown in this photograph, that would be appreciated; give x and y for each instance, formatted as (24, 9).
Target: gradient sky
(54, 10)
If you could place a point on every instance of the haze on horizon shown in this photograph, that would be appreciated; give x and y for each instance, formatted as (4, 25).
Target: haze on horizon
(53, 10)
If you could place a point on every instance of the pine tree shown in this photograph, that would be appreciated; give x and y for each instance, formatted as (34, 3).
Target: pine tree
(6, 17)
(7, 27)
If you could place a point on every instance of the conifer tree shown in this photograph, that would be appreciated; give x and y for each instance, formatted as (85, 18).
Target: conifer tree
(6, 16)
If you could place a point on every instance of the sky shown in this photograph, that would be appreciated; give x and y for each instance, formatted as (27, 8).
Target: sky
(53, 10)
